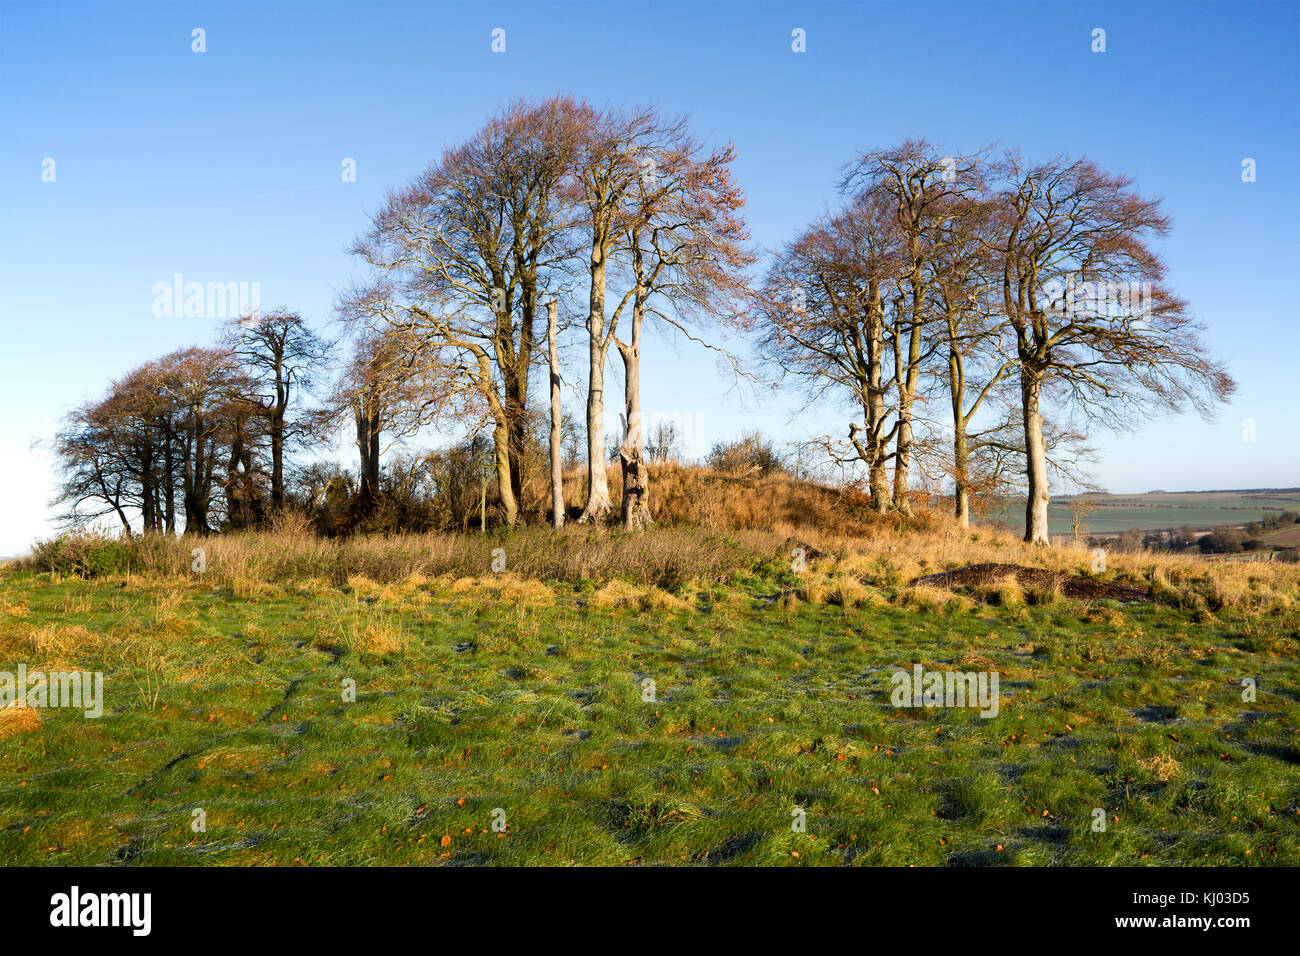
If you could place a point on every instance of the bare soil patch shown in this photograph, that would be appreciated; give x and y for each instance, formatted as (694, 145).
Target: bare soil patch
(1071, 585)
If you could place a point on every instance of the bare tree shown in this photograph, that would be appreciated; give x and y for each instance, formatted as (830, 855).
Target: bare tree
(825, 324)
(975, 366)
(922, 185)
(1093, 323)
(399, 381)
(687, 263)
(282, 354)
(608, 168)
(468, 247)
(176, 427)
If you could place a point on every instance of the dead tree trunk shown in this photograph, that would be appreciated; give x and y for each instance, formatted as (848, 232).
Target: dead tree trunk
(636, 478)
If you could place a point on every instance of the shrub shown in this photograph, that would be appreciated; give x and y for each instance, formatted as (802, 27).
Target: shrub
(84, 554)
(749, 454)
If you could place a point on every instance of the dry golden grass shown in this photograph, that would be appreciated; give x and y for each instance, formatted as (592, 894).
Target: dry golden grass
(813, 589)
(60, 641)
(893, 558)
(507, 587)
(709, 526)
(701, 497)
(376, 637)
(926, 598)
(15, 720)
(1161, 766)
(622, 594)
(19, 609)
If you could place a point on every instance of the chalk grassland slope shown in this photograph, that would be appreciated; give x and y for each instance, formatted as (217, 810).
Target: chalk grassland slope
(479, 692)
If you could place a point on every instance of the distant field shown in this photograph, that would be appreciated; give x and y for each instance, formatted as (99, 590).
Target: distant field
(1286, 538)
(1158, 511)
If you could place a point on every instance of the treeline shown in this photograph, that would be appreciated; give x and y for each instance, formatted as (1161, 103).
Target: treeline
(972, 314)
(1224, 539)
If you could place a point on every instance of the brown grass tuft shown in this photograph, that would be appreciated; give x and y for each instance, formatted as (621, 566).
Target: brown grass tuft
(15, 720)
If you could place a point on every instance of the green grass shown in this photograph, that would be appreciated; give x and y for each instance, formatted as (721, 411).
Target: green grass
(529, 700)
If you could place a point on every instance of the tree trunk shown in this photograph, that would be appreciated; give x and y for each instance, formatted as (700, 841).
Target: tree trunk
(906, 372)
(875, 410)
(636, 477)
(374, 429)
(960, 446)
(1031, 385)
(961, 492)
(516, 411)
(148, 488)
(505, 489)
(169, 498)
(368, 428)
(277, 459)
(598, 502)
(557, 420)
(903, 455)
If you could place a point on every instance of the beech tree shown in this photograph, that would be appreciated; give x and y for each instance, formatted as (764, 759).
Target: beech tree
(467, 249)
(557, 416)
(612, 155)
(823, 303)
(1095, 327)
(687, 262)
(922, 185)
(399, 380)
(972, 364)
(177, 429)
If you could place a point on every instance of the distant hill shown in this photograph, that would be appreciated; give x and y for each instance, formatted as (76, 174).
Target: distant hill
(1229, 491)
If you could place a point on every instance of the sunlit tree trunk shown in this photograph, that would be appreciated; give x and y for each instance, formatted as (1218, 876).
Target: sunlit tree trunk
(636, 478)
(598, 501)
(557, 421)
(1035, 459)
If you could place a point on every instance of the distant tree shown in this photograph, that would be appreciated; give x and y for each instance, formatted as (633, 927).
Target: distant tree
(179, 428)
(282, 355)
(663, 443)
(397, 382)
(752, 453)
(1223, 541)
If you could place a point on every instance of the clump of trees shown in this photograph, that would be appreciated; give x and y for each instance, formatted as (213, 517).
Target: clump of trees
(195, 440)
(1007, 289)
(940, 306)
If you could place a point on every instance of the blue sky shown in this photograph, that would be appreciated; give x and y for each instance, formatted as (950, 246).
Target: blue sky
(225, 166)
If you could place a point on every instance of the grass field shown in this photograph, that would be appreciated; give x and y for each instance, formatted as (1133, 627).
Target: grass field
(1153, 512)
(494, 699)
